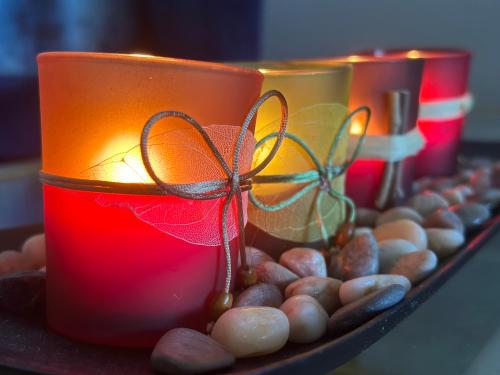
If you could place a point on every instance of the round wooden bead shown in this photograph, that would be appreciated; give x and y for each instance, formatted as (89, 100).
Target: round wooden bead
(344, 234)
(220, 304)
(246, 277)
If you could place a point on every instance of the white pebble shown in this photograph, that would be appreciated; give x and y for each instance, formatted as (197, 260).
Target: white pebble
(402, 229)
(324, 289)
(34, 251)
(12, 261)
(252, 331)
(308, 320)
(391, 250)
(398, 213)
(416, 266)
(444, 242)
(355, 289)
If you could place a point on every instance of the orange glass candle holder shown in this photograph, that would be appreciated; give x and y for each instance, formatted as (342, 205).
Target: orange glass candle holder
(445, 79)
(122, 268)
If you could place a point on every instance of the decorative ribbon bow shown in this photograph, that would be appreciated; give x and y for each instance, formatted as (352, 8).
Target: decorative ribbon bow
(227, 188)
(322, 176)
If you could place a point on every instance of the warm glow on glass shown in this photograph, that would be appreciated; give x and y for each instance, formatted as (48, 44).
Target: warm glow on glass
(141, 54)
(354, 58)
(413, 54)
(120, 161)
(356, 127)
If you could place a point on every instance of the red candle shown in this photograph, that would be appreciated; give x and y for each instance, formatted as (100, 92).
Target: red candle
(445, 88)
(373, 80)
(123, 267)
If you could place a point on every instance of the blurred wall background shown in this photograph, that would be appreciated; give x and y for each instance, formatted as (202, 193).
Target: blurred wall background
(313, 28)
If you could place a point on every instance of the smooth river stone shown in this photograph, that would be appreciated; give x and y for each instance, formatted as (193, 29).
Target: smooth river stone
(445, 219)
(304, 262)
(453, 196)
(421, 184)
(359, 257)
(260, 295)
(472, 214)
(416, 266)
(404, 230)
(355, 289)
(390, 251)
(186, 351)
(360, 230)
(360, 311)
(366, 217)
(334, 266)
(33, 250)
(252, 331)
(308, 320)
(255, 256)
(398, 213)
(12, 261)
(444, 242)
(427, 202)
(481, 180)
(324, 289)
(274, 273)
(441, 183)
(490, 198)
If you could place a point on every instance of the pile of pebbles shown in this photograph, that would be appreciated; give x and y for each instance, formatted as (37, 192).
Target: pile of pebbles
(31, 257)
(304, 295)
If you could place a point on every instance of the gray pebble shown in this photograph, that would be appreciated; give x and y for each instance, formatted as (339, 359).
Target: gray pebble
(444, 242)
(427, 202)
(324, 289)
(481, 180)
(472, 214)
(390, 251)
(444, 218)
(366, 217)
(255, 256)
(186, 351)
(274, 273)
(359, 257)
(398, 213)
(490, 198)
(421, 184)
(260, 295)
(416, 266)
(358, 312)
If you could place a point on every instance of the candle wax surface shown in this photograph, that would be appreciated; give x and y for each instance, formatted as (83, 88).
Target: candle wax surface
(114, 279)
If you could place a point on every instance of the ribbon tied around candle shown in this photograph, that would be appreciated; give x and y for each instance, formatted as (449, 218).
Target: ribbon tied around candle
(321, 177)
(232, 186)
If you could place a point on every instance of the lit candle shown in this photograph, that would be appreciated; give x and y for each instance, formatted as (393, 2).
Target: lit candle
(373, 80)
(123, 268)
(444, 102)
(317, 101)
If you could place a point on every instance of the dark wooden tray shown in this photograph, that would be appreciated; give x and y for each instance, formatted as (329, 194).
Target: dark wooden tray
(27, 344)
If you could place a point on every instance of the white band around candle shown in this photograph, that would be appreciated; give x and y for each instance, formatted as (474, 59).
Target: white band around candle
(446, 108)
(389, 148)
